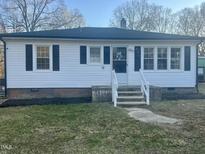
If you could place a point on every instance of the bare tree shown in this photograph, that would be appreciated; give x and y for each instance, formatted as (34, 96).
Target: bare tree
(162, 18)
(140, 15)
(2, 25)
(31, 15)
(202, 12)
(184, 21)
(136, 13)
(26, 14)
(197, 22)
(190, 21)
(65, 18)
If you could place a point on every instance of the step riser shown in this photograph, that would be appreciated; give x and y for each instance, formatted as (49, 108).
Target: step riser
(129, 89)
(130, 99)
(129, 94)
(131, 104)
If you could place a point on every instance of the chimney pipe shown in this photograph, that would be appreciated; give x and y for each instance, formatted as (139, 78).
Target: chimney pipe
(123, 23)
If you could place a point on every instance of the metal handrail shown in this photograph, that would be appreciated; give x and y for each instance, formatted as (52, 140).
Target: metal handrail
(114, 88)
(145, 87)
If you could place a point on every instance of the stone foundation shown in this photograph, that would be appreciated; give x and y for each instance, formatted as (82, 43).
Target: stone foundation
(101, 94)
(155, 93)
(104, 93)
(97, 93)
(39, 93)
(179, 93)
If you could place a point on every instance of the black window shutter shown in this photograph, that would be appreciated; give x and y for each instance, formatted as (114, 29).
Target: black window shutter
(137, 58)
(83, 54)
(187, 58)
(56, 58)
(29, 57)
(106, 55)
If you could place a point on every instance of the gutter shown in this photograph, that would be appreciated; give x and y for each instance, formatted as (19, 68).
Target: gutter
(95, 39)
(5, 68)
(197, 61)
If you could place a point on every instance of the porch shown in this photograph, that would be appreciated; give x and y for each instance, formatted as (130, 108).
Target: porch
(131, 95)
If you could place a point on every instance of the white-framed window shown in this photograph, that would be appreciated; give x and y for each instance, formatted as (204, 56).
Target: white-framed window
(148, 58)
(43, 58)
(95, 55)
(175, 58)
(162, 58)
(200, 71)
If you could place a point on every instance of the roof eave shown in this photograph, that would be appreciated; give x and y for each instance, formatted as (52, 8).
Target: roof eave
(100, 39)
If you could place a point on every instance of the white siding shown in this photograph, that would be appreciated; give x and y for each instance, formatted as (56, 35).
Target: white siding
(168, 78)
(73, 74)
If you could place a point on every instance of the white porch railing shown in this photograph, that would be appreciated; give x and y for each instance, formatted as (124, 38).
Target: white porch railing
(114, 88)
(145, 87)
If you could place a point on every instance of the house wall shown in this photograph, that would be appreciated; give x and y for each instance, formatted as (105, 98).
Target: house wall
(72, 74)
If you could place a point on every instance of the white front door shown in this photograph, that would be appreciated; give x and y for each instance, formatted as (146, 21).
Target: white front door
(120, 64)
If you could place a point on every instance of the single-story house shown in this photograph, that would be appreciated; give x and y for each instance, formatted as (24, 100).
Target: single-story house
(68, 63)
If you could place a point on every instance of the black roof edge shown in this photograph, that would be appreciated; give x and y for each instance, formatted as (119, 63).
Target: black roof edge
(95, 38)
(36, 35)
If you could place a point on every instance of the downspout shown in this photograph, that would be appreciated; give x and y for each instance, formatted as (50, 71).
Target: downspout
(197, 53)
(5, 69)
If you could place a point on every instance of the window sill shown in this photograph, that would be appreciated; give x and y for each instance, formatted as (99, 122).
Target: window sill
(163, 71)
(95, 64)
(43, 71)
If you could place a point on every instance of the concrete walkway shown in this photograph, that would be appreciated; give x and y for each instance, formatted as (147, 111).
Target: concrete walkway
(147, 116)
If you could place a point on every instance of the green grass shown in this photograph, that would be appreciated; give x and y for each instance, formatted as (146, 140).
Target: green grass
(192, 112)
(202, 88)
(99, 128)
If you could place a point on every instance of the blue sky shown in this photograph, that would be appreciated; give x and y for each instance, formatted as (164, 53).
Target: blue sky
(98, 12)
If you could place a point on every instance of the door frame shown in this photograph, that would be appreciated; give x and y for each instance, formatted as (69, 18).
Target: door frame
(112, 52)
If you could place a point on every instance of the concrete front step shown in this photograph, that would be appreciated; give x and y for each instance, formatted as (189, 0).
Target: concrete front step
(128, 89)
(132, 103)
(130, 93)
(130, 98)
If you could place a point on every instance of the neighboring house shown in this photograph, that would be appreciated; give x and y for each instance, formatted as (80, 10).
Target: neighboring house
(68, 63)
(1, 62)
(201, 68)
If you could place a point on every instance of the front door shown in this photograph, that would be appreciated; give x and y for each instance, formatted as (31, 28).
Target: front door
(120, 64)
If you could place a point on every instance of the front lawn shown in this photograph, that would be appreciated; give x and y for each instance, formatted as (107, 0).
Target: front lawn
(192, 112)
(99, 128)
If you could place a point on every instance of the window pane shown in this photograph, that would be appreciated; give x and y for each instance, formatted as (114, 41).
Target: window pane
(175, 58)
(119, 54)
(42, 63)
(162, 58)
(200, 71)
(43, 58)
(148, 53)
(148, 64)
(162, 64)
(162, 53)
(148, 58)
(95, 55)
(175, 53)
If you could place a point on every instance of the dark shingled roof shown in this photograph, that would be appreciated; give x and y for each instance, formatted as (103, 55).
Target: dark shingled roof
(100, 33)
